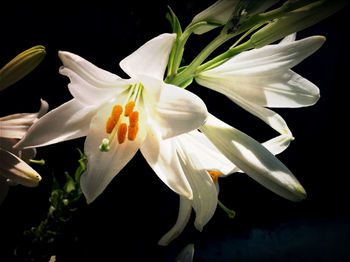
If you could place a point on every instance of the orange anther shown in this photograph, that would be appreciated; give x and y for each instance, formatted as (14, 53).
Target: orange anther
(129, 108)
(134, 118)
(116, 112)
(215, 175)
(132, 132)
(110, 125)
(122, 129)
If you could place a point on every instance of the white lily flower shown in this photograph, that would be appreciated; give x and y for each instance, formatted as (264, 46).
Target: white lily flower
(120, 116)
(262, 78)
(254, 159)
(202, 164)
(13, 166)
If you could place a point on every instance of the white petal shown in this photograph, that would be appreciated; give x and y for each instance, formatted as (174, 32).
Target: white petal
(278, 144)
(208, 156)
(18, 171)
(68, 121)
(204, 191)
(89, 94)
(270, 58)
(185, 209)
(102, 167)
(262, 76)
(178, 111)
(25, 154)
(278, 89)
(289, 38)
(270, 117)
(186, 254)
(90, 73)
(161, 156)
(16, 125)
(150, 59)
(254, 159)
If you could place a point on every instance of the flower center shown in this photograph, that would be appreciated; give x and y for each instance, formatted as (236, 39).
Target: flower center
(215, 175)
(123, 123)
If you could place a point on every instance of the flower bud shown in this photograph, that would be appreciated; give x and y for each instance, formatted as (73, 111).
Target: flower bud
(222, 11)
(21, 65)
(295, 21)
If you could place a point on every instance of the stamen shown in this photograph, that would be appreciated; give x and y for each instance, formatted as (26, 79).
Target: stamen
(215, 175)
(134, 118)
(122, 129)
(116, 112)
(129, 108)
(110, 125)
(114, 118)
(132, 131)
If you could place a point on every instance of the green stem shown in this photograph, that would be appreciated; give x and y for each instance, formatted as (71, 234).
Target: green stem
(252, 22)
(220, 59)
(230, 213)
(188, 72)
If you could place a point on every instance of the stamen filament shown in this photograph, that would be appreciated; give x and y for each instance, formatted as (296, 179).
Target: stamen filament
(230, 212)
(39, 162)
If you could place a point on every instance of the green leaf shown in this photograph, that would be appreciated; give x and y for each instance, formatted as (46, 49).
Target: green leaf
(70, 185)
(174, 21)
(81, 168)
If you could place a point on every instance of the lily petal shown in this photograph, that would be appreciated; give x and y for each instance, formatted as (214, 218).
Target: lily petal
(89, 94)
(262, 76)
(18, 171)
(179, 111)
(150, 59)
(89, 72)
(161, 156)
(16, 125)
(68, 121)
(270, 117)
(185, 209)
(205, 196)
(186, 254)
(102, 167)
(254, 159)
(209, 157)
(278, 144)
(25, 154)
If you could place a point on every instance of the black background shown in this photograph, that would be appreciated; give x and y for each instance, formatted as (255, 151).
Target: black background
(136, 209)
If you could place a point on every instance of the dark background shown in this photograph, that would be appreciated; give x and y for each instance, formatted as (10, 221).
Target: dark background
(136, 209)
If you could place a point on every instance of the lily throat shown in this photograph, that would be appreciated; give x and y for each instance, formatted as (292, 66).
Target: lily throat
(123, 123)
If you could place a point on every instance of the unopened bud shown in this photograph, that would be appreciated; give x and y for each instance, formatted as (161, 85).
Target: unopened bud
(21, 65)
(295, 21)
